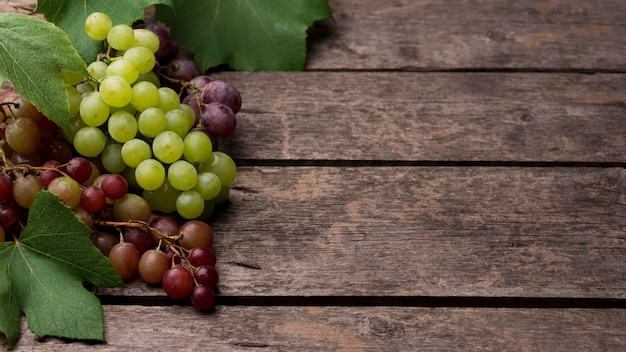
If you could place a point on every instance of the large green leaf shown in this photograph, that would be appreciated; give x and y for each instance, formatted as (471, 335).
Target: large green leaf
(42, 275)
(33, 55)
(249, 35)
(70, 16)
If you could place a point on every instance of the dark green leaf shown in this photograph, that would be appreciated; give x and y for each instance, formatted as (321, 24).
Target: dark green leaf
(249, 35)
(33, 55)
(43, 273)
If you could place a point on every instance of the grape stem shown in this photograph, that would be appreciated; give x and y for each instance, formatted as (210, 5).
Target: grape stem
(138, 224)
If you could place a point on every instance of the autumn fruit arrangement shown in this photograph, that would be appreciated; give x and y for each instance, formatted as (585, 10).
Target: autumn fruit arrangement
(136, 159)
(110, 166)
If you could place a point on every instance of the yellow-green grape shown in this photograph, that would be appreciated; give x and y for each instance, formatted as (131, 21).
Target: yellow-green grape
(182, 175)
(190, 113)
(177, 122)
(169, 99)
(98, 25)
(142, 57)
(89, 141)
(74, 99)
(222, 165)
(122, 126)
(168, 147)
(197, 147)
(146, 38)
(97, 69)
(116, 91)
(135, 151)
(190, 204)
(71, 78)
(151, 122)
(93, 110)
(121, 37)
(208, 185)
(150, 174)
(145, 95)
(123, 68)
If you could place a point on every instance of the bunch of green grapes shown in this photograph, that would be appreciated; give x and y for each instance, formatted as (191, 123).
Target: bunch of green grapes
(142, 130)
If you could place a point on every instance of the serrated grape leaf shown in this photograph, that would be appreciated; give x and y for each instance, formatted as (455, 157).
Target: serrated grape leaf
(70, 16)
(248, 35)
(42, 275)
(33, 55)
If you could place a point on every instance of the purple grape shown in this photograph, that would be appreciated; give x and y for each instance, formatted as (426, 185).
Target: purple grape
(219, 120)
(202, 298)
(198, 83)
(222, 92)
(181, 68)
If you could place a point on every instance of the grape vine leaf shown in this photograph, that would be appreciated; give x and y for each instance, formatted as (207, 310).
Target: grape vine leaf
(70, 16)
(42, 275)
(33, 56)
(248, 35)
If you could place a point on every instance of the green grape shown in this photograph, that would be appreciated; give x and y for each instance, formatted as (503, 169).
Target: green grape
(182, 175)
(121, 37)
(189, 113)
(146, 38)
(145, 95)
(223, 196)
(97, 69)
(164, 197)
(112, 158)
(151, 77)
(93, 109)
(190, 204)
(71, 78)
(197, 147)
(222, 165)
(84, 87)
(209, 185)
(89, 141)
(123, 68)
(151, 122)
(74, 99)
(135, 151)
(177, 122)
(169, 99)
(76, 123)
(115, 91)
(168, 147)
(142, 57)
(122, 126)
(129, 175)
(98, 25)
(150, 174)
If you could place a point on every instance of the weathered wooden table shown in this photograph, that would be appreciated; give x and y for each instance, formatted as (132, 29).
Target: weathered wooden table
(446, 175)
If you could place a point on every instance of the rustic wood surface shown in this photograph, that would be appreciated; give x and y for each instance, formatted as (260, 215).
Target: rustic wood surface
(350, 329)
(446, 175)
(552, 35)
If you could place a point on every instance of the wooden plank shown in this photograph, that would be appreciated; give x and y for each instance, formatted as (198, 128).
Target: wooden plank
(173, 328)
(448, 34)
(429, 116)
(421, 231)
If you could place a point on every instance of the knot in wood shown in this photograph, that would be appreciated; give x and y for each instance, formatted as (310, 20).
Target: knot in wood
(380, 326)
(527, 117)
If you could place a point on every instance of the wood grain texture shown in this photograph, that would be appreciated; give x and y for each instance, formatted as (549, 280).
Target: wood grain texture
(459, 35)
(429, 116)
(421, 231)
(138, 328)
